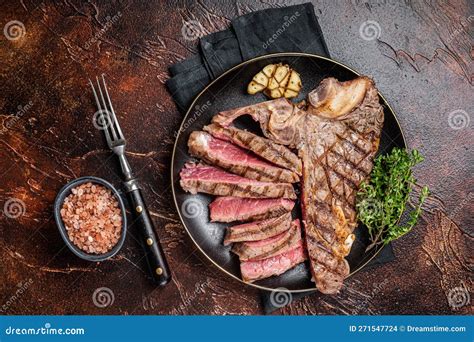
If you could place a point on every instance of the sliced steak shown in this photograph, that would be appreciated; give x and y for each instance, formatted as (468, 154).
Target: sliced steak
(265, 148)
(229, 209)
(281, 120)
(258, 230)
(211, 180)
(275, 265)
(337, 137)
(263, 249)
(236, 160)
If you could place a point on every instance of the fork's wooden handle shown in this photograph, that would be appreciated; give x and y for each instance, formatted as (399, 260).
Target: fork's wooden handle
(154, 253)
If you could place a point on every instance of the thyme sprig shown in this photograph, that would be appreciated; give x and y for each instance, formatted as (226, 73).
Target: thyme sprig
(384, 197)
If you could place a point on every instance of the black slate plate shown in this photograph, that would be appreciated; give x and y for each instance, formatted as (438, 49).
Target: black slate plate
(229, 91)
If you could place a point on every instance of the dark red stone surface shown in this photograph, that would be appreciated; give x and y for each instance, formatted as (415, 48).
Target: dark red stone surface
(422, 63)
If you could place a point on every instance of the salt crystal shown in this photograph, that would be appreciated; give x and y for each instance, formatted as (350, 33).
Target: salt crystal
(92, 218)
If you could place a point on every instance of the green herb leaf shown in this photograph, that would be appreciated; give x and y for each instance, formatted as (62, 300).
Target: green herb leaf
(382, 200)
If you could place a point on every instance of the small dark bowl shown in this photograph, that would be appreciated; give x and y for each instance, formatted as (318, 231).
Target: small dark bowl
(63, 193)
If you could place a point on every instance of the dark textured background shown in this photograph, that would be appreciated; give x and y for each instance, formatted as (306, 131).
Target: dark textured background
(422, 62)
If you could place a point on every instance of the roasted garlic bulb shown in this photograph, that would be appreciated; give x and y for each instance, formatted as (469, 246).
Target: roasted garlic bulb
(276, 80)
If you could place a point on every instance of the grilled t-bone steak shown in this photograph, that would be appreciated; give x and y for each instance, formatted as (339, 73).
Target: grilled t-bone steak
(262, 147)
(211, 180)
(266, 248)
(336, 136)
(290, 256)
(258, 230)
(236, 160)
(230, 209)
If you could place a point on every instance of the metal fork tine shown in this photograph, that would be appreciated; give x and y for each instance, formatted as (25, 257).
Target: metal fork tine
(117, 126)
(154, 252)
(114, 136)
(101, 111)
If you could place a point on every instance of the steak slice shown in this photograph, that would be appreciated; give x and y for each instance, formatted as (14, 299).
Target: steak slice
(211, 180)
(258, 230)
(236, 160)
(281, 120)
(253, 270)
(229, 209)
(263, 249)
(265, 148)
(337, 136)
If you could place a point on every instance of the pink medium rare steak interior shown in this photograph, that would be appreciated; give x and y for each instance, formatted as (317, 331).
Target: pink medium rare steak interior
(229, 209)
(236, 160)
(212, 180)
(276, 265)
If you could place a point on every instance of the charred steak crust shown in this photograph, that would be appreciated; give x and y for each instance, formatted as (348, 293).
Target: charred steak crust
(265, 148)
(258, 230)
(236, 160)
(254, 270)
(266, 248)
(333, 170)
(211, 180)
(280, 120)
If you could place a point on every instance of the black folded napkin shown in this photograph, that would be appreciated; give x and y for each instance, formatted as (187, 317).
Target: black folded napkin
(287, 29)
